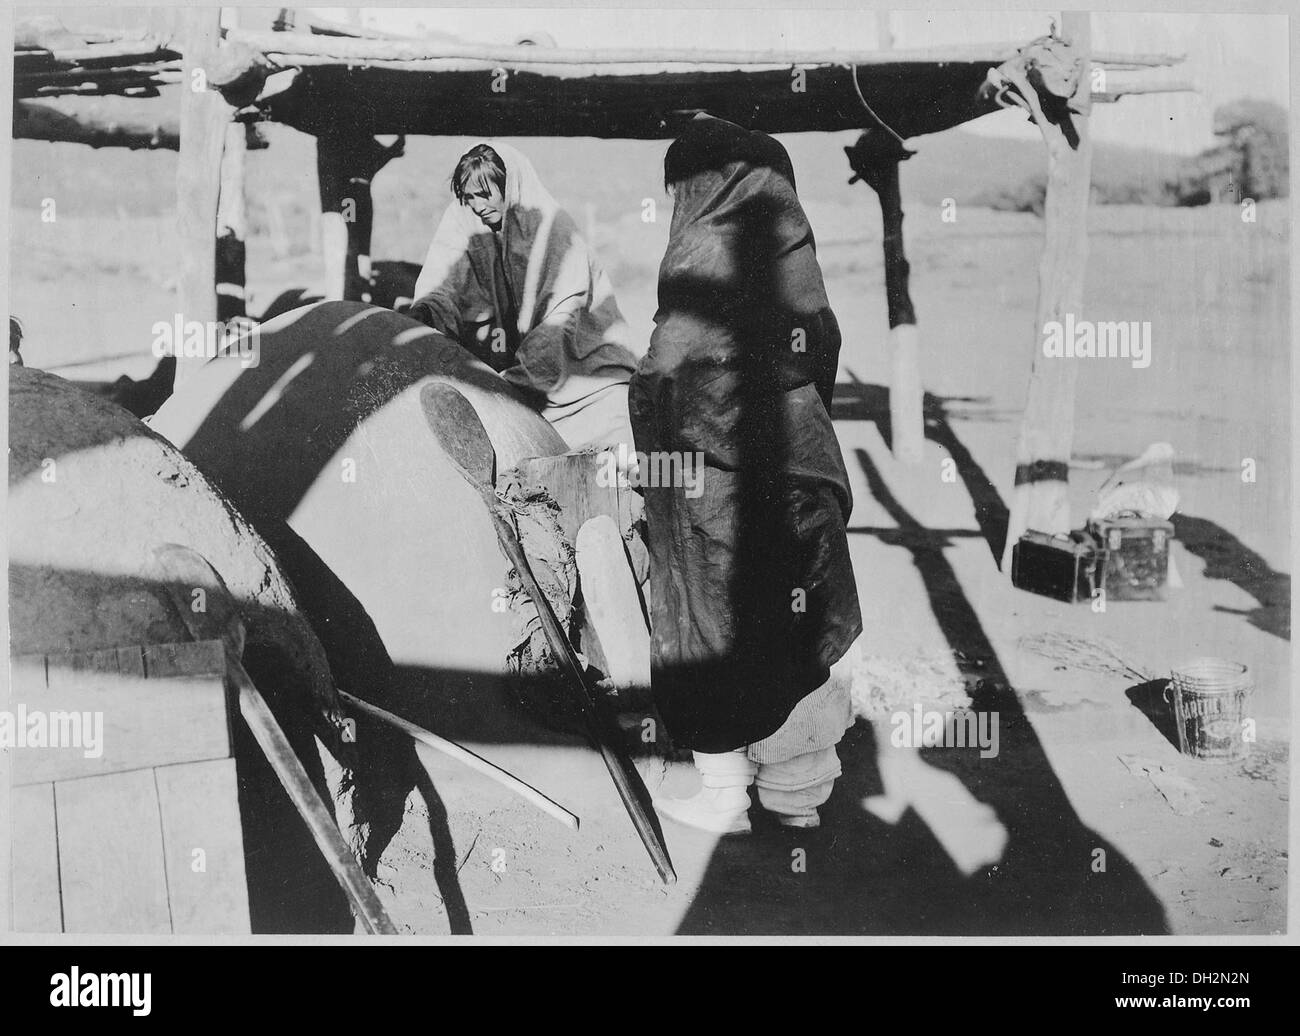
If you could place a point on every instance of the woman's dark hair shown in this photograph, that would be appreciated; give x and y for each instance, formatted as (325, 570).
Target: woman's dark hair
(478, 167)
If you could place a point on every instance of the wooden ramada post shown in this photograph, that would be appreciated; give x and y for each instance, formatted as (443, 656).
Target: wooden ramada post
(1040, 498)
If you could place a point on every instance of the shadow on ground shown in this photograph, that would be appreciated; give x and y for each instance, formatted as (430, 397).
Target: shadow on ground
(1226, 557)
(862, 874)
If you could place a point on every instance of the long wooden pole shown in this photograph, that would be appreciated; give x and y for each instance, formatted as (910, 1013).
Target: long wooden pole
(298, 786)
(181, 569)
(204, 115)
(232, 221)
(357, 51)
(1040, 498)
(906, 392)
(232, 229)
(425, 738)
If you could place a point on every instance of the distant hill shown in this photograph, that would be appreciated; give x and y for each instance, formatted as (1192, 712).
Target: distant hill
(956, 164)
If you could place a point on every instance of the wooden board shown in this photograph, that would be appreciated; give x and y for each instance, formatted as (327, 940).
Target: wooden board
(203, 848)
(612, 604)
(571, 479)
(35, 861)
(111, 855)
(108, 844)
(174, 710)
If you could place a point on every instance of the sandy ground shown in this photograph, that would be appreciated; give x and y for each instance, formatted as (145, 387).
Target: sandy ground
(1053, 835)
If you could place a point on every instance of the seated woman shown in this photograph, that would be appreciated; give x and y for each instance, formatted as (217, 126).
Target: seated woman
(753, 603)
(509, 277)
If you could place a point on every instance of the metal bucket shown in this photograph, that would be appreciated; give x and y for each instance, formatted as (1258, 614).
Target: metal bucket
(1211, 698)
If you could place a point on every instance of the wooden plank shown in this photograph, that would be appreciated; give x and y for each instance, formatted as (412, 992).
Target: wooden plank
(571, 479)
(111, 855)
(612, 604)
(178, 713)
(203, 846)
(35, 860)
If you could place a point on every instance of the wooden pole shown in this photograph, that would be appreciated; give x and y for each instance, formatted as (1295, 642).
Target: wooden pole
(232, 222)
(906, 395)
(346, 215)
(426, 738)
(333, 227)
(232, 229)
(181, 569)
(1040, 498)
(345, 166)
(204, 115)
(875, 158)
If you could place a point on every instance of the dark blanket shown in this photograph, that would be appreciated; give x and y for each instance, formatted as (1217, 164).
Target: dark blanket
(752, 590)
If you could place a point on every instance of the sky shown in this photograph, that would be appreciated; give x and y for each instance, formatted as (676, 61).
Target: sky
(1228, 55)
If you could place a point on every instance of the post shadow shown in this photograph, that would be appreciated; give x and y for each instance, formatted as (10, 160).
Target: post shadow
(1226, 557)
(868, 402)
(865, 876)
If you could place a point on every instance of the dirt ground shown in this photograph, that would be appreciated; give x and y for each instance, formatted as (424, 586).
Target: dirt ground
(1056, 834)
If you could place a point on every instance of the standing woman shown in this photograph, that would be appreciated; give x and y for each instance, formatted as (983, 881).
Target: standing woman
(510, 278)
(753, 598)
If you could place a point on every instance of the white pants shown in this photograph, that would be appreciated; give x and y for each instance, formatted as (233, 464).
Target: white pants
(795, 768)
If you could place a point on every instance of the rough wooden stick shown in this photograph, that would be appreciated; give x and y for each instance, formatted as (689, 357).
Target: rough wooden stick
(474, 762)
(182, 570)
(279, 753)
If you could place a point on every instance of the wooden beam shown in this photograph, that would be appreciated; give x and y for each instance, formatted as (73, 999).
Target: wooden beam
(1039, 500)
(363, 51)
(204, 115)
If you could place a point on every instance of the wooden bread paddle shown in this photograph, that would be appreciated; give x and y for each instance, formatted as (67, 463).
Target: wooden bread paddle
(460, 433)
